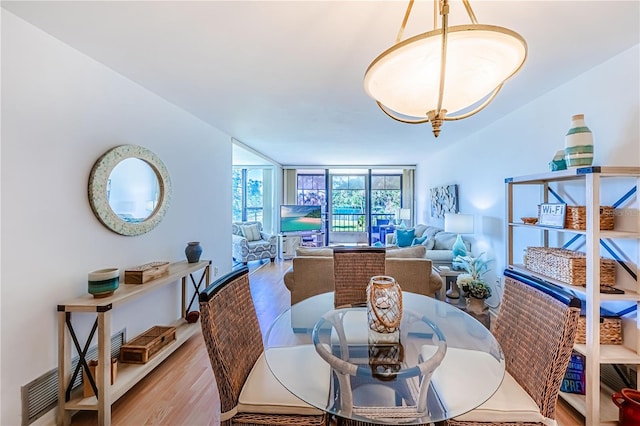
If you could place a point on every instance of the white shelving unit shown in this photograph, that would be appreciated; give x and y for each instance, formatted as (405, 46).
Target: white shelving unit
(596, 405)
(128, 374)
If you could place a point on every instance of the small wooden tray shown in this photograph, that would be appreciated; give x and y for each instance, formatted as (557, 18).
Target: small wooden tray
(143, 347)
(147, 272)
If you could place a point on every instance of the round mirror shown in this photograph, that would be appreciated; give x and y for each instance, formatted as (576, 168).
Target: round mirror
(129, 190)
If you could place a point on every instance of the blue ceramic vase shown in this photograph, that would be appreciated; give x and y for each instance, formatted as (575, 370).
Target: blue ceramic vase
(193, 251)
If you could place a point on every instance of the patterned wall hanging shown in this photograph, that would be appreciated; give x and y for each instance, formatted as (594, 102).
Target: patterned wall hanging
(444, 199)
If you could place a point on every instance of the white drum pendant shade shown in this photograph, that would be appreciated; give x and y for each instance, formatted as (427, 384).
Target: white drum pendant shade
(406, 77)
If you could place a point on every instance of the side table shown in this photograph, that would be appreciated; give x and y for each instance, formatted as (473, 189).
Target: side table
(448, 276)
(453, 294)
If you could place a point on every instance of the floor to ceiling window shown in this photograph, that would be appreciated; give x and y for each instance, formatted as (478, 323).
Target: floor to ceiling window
(248, 194)
(357, 203)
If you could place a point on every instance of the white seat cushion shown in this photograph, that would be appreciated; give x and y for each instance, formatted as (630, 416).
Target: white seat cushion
(510, 403)
(456, 385)
(263, 393)
(465, 378)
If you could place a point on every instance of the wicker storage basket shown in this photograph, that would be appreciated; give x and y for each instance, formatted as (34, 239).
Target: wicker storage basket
(610, 331)
(576, 218)
(567, 266)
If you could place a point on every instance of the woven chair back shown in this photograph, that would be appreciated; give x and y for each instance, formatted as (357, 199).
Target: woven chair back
(536, 332)
(231, 333)
(353, 267)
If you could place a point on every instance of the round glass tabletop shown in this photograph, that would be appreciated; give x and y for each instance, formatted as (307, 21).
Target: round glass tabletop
(440, 364)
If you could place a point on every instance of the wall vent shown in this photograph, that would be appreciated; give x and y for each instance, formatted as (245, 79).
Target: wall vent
(41, 395)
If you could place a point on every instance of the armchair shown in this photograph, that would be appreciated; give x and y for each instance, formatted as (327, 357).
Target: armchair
(250, 242)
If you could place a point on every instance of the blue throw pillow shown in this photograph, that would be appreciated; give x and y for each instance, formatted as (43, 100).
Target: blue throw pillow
(404, 237)
(378, 244)
(417, 241)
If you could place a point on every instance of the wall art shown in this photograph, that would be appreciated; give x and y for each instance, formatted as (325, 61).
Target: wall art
(444, 199)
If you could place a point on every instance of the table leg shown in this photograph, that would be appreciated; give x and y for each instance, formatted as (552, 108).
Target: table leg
(184, 297)
(104, 364)
(64, 369)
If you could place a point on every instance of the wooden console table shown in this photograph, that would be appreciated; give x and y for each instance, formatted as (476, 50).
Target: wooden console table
(128, 374)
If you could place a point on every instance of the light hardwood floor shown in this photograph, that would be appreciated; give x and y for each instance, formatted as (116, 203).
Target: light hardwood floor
(182, 390)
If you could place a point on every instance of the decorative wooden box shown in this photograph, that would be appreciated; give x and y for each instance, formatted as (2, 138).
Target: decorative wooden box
(142, 348)
(147, 272)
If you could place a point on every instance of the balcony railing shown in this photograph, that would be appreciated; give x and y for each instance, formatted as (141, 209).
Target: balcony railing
(348, 222)
(356, 222)
(254, 214)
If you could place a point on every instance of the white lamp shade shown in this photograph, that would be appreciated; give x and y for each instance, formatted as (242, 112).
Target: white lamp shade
(458, 223)
(406, 77)
(404, 214)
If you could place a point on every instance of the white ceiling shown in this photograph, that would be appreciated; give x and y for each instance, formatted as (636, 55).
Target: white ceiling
(285, 78)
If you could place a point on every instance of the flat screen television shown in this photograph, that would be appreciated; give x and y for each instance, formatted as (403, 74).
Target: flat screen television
(300, 218)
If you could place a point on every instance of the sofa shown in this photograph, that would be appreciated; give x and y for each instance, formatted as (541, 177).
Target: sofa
(437, 242)
(250, 242)
(312, 273)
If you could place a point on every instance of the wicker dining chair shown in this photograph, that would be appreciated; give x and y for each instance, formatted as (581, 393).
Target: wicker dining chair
(536, 331)
(234, 343)
(353, 267)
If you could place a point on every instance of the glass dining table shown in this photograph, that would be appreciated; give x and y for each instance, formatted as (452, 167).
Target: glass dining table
(439, 364)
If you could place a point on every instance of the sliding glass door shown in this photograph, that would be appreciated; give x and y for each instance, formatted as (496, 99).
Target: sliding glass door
(348, 207)
(361, 202)
(358, 204)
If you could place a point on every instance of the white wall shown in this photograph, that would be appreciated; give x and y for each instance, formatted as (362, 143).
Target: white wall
(60, 111)
(524, 142)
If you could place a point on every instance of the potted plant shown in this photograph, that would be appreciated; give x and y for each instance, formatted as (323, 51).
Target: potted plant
(472, 285)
